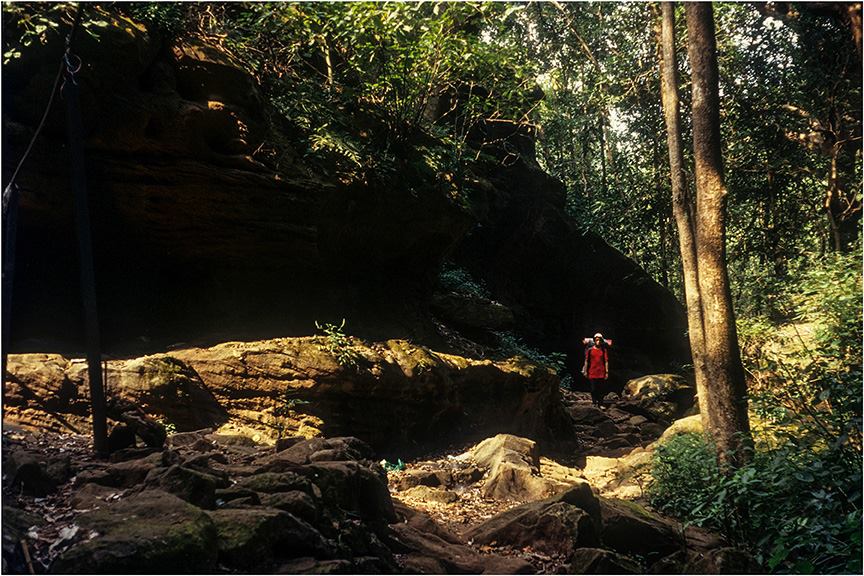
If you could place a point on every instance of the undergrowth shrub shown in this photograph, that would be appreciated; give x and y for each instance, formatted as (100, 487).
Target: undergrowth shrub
(339, 344)
(512, 345)
(455, 279)
(797, 505)
(794, 510)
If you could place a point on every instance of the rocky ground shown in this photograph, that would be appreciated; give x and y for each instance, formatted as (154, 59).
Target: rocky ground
(209, 502)
(546, 484)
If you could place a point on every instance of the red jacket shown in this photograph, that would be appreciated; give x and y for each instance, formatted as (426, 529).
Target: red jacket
(596, 358)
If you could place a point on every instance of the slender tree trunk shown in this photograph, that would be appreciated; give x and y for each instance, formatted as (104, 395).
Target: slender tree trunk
(727, 398)
(602, 133)
(682, 206)
(663, 223)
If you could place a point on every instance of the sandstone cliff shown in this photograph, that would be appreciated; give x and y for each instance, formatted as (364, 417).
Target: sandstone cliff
(209, 221)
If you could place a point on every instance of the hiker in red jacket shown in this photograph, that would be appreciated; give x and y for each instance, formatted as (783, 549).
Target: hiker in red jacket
(596, 369)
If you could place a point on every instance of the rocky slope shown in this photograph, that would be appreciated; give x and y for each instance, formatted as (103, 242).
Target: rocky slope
(220, 501)
(214, 503)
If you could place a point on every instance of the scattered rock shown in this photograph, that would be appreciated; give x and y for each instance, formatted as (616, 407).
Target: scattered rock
(121, 436)
(557, 525)
(604, 429)
(431, 478)
(637, 420)
(298, 503)
(587, 415)
(152, 531)
(252, 538)
(270, 482)
(34, 474)
(630, 529)
(353, 487)
(428, 494)
(426, 548)
(652, 430)
(599, 561)
(664, 397)
(93, 495)
(194, 486)
(126, 474)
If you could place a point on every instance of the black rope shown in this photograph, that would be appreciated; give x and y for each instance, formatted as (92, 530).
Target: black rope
(10, 232)
(38, 129)
(11, 194)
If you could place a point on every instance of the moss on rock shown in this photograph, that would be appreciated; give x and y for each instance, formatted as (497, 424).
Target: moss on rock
(151, 532)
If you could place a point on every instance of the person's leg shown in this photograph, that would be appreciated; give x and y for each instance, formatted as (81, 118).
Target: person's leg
(595, 391)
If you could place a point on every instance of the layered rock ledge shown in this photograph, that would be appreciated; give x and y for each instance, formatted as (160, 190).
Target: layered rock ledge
(397, 396)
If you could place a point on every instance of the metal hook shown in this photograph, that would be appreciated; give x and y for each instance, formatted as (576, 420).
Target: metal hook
(70, 69)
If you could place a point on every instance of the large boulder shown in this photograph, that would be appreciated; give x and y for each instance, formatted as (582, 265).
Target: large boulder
(425, 547)
(40, 392)
(471, 311)
(324, 450)
(254, 537)
(688, 425)
(555, 526)
(631, 530)
(169, 387)
(354, 487)
(623, 477)
(660, 397)
(513, 468)
(152, 532)
(29, 472)
(194, 486)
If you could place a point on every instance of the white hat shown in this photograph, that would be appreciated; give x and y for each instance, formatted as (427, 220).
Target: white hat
(598, 335)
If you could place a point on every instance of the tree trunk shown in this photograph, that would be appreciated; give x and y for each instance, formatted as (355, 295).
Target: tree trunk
(682, 206)
(604, 187)
(727, 395)
(842, 206)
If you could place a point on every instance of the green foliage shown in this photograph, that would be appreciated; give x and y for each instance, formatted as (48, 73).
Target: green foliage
(685, 476)
(393, 466)
(797, 511)
(170, 427)
(34, 23)
(339, 345)
(797, 505)
(455, 279)
(830, 295)
(511, 345)
(359, 80)
(289, 403)
(806, 377)
(170, 19)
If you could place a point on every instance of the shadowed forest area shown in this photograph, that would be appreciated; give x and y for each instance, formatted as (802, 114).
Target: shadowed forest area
(432, 287)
